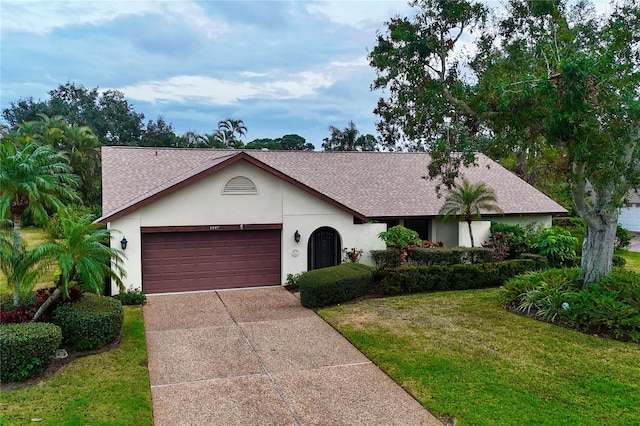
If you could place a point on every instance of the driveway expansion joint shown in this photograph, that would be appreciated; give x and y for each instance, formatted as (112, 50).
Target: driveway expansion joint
(262, 364)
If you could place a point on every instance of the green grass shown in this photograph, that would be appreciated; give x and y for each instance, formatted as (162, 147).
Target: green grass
(110, 388)
(633, 259)
(461, 354)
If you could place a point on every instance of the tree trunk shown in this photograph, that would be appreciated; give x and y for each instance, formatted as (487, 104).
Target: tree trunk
(17, 228)
(597, 250)
(47, 303)
(470, 232)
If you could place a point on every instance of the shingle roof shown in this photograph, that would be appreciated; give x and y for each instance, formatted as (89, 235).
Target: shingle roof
(372, 184)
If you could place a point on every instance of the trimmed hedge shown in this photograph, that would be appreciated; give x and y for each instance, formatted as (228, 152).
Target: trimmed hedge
(420, 278)
(27, 349)
(91, 323)
(450, 255)
(335, 284)
(433, 256)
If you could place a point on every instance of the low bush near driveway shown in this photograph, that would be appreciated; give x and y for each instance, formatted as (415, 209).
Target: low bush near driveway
(91, 323)
(27, 349)
(322, 287)
(610, 308)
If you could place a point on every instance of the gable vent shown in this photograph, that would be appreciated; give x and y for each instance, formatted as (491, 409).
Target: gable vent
(240, 185)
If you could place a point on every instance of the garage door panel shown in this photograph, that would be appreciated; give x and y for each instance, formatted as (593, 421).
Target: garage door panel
(186, 261)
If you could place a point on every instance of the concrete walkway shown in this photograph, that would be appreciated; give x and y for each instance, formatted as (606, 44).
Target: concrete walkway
(257, 357)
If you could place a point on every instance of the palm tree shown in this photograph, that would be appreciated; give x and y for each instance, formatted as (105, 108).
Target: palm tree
(230, 128)
(32, 179)
(349, 139)
(83, 148)
(82, 256)
(468, 201)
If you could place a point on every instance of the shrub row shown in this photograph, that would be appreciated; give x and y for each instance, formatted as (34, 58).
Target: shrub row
(27, 349)
(91, 323)
(336, 284)
(433, 256)
(420, 278)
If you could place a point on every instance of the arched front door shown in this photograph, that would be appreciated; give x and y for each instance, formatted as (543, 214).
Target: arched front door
(324, 248)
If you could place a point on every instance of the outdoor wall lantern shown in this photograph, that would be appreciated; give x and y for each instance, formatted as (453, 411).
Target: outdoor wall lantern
(123, 243)
(296, 236)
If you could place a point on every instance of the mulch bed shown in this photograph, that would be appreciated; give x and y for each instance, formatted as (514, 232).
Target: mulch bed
(57, 364)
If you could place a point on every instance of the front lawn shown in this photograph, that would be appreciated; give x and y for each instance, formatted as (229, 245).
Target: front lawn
(461, 354)
(633, 260)
(110, 388)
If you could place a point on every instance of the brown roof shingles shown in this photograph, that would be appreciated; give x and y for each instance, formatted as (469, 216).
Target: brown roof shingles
(373, 184)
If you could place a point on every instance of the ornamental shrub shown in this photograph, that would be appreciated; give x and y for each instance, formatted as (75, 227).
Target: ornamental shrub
(609, 308)
(385, 258)
(335, 284)
(557, 245)
(623, 238)
(27, 349)
(131, 297)
(91, 323)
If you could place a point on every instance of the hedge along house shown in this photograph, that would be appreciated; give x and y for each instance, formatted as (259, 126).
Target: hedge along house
(201, 219)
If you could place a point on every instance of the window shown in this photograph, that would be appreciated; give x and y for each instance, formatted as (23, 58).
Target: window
(239, 185)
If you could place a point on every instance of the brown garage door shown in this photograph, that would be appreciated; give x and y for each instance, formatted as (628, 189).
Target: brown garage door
(186, 261)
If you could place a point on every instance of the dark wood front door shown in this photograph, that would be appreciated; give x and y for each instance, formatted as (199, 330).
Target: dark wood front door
(325, 248)
(187, 261)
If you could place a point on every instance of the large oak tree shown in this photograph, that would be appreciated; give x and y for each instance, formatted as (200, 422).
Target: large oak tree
(540, 75)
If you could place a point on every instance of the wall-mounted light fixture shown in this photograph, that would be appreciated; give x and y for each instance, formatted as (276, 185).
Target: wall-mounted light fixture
(123, 243)
(296, 236)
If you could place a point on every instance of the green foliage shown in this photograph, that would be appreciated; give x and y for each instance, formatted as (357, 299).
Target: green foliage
(285, 143)
(336, 284)
(400, 237)
(27, 349)
(131, 297)
(91, 323)
(619, 261)
(573, 101)
(519, 238)
(449, 255)
(557, 245)
(623, 238)
(109, 388)
(84, 254)
(609, 307)
(385, 258)
(349, 139)
(417, 279)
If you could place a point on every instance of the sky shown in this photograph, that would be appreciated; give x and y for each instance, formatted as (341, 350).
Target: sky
(282, 67)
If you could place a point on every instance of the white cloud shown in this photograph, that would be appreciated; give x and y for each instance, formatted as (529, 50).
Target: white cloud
(267, 86)
(42, 17)
(358, 14)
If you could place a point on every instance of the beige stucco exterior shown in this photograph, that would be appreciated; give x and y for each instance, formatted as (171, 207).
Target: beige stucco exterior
(276, 202)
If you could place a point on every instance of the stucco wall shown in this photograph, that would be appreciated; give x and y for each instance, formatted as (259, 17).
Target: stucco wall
(277, 201)
(629, 218)
(445, 231)
(481, 232)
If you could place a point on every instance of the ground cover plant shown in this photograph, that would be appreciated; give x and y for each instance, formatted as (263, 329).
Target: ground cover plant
(610, 307)
(461, 354)
(109, 388)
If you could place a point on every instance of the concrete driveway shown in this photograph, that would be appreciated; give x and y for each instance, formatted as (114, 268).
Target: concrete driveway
(257, 357)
